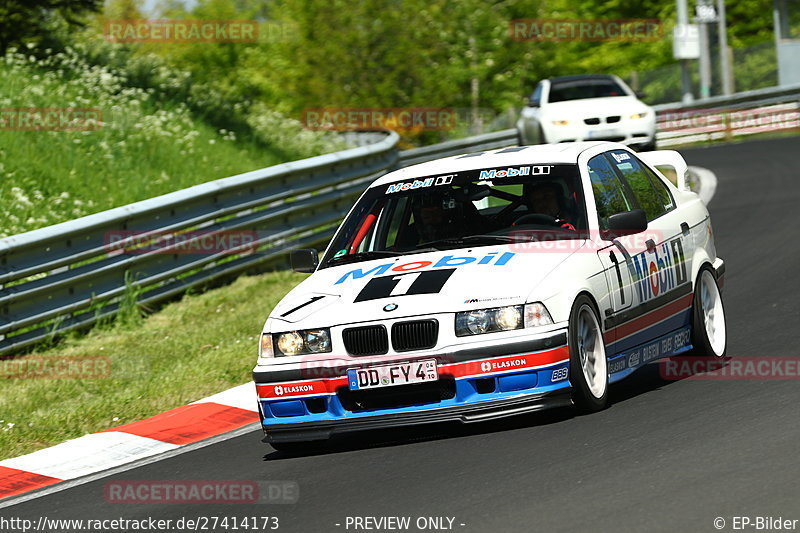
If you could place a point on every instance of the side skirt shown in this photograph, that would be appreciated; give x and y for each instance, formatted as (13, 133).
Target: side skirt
(622, 365)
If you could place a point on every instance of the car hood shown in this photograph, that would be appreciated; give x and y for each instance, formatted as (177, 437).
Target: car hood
(595, 107)
(410, 285)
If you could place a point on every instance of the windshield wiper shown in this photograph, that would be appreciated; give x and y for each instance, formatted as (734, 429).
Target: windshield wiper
(362, 256)
(469, 239)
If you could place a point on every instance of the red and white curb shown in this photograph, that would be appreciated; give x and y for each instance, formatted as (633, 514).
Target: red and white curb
(124, 444)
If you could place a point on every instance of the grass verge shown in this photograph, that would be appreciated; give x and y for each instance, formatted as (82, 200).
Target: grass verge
(192, 348)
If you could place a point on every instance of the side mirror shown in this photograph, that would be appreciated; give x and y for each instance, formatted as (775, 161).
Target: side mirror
(533, 102)
(641, 95)
(626, 223)
(305, 260)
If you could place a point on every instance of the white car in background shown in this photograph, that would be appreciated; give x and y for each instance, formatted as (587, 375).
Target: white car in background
(587, 108)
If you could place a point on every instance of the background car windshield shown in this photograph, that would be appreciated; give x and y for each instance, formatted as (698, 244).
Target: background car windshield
(453, 211)
(578, 90)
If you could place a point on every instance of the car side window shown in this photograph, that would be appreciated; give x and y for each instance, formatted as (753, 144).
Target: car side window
(651, 194)
(610, 196)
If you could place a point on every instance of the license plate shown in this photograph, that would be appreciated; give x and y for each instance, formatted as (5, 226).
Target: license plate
(392, 375)
(592, 134)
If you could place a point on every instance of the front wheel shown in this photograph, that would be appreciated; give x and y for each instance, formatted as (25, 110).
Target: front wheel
(709, 334)
(587, 357)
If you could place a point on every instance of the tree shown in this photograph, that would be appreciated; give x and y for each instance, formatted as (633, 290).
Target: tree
(25, 20)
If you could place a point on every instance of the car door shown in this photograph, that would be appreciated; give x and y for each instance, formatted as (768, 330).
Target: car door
(612, 197)
(670, 246)
(660, 271)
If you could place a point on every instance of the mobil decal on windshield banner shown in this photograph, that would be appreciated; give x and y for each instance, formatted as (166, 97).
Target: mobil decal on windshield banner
(447, 261)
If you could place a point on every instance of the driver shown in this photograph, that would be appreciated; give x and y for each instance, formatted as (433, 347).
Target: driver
(431, 220)
(546, 198)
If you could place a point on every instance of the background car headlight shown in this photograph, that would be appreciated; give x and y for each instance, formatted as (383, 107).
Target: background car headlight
(536, 314)
(302, 342)
(488, 320)
(639, 115)
(561, 122)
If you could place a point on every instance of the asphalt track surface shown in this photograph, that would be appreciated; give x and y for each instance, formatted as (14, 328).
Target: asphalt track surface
(666, 455)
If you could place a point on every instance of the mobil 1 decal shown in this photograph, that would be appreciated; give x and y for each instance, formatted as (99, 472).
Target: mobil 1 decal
(659, 270)
(425, 282)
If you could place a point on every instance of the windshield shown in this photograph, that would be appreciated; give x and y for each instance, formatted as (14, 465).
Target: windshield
(473, 208)
(578, 90)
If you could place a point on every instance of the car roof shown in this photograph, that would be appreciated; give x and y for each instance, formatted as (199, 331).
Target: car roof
(581, 77)
(540, 154)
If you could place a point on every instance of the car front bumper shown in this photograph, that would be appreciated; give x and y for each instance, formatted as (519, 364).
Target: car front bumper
(476, 383)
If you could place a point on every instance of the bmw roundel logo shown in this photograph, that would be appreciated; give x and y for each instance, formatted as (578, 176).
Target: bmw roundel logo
(389, 307)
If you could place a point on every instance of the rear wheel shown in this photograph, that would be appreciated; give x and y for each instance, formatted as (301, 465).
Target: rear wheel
(587, 357)
(709, 334)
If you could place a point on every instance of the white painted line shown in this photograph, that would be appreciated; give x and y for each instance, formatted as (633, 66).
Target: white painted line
(708, 183)
(88, 454)
(243, 397)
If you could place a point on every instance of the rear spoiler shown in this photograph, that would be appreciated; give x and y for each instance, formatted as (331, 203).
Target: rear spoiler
(668, 158)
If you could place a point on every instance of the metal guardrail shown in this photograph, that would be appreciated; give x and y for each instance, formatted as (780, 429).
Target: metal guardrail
(72, 275)
(727, 117)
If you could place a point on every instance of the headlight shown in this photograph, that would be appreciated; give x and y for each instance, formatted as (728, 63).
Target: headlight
(536, 314)
(561, 122)
(502, 319)
(488, 320)
(302, 342)
(318, 340)
(265, 346)
(290, 343)
(639, 115)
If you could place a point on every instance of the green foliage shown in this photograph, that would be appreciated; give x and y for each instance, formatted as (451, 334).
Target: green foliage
(23, 20)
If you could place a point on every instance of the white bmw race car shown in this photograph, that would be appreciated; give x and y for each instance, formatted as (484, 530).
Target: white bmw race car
(593, 107)
(491, 284)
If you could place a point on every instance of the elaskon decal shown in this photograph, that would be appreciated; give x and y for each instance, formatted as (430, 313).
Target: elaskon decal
(492, 259)
(660, 270)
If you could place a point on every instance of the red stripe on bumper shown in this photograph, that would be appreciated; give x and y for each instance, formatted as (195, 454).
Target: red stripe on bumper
(190, 423)
(13, 481)
(488, 366)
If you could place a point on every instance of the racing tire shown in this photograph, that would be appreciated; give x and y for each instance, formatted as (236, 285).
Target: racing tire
(588, 365)
(709, 333)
